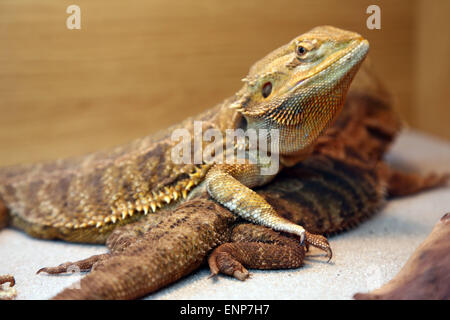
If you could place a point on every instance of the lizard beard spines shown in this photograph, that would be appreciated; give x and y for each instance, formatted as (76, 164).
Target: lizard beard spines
(125, 207)
(154, 199)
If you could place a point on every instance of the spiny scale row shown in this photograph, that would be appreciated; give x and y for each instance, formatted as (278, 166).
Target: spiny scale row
(146, 202)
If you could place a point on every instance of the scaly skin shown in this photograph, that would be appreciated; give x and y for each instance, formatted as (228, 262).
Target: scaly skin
(84, 199)
(340, 185)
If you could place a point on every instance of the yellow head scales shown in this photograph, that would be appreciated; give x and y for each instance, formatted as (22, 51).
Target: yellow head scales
(300, 88)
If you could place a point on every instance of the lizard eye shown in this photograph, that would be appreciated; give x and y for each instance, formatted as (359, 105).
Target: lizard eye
(266, 89)
(301, 50)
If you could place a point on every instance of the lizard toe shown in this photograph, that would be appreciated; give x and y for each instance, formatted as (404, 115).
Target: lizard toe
(320, 242)
(75, 267)
(224, 262)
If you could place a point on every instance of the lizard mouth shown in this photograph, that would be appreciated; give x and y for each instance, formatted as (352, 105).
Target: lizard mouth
(356, 52)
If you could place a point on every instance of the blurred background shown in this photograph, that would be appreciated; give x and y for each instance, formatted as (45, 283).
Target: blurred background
(137, 66)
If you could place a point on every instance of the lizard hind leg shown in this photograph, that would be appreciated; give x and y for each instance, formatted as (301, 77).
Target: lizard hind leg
(231, 257)
(259, 247)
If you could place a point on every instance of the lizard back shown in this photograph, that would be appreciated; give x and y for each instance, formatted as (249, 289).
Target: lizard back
(84, 198)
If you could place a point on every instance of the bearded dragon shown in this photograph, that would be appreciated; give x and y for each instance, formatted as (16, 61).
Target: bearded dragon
(299, 89)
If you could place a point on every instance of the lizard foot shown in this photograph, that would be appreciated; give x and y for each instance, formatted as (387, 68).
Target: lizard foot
(9, 293)
(318, 241)
(259, 247)
(256, 247)
(230, 258)
(78, 266)
(223, 261)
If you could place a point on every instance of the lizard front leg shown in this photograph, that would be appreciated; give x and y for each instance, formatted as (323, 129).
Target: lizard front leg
(230, 186)
(258, 247)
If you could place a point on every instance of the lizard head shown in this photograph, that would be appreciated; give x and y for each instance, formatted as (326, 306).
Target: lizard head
(300, 88)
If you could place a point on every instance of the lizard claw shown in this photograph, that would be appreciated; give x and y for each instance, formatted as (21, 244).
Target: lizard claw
(241, 274)
(212, 275)
(329, 254)
(302, 238)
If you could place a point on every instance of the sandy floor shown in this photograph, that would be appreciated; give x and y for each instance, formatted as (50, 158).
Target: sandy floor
(363, 259)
